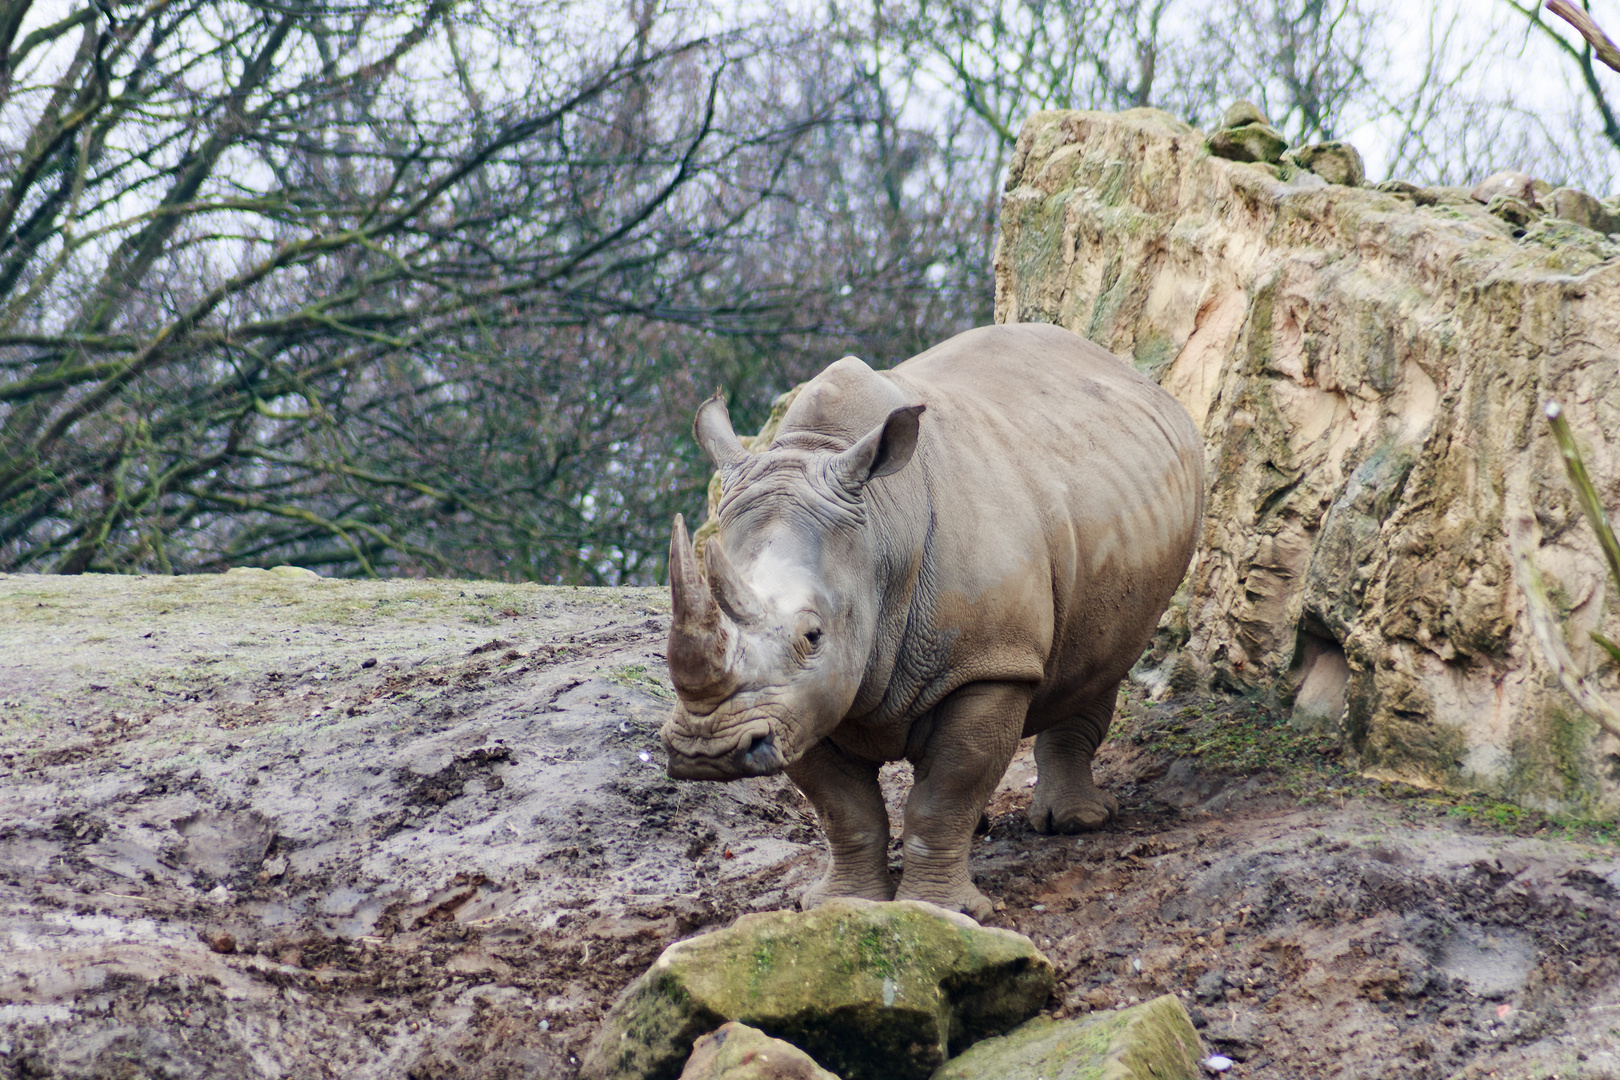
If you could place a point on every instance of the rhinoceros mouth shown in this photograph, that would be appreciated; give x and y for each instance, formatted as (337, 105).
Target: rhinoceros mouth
(755, 755)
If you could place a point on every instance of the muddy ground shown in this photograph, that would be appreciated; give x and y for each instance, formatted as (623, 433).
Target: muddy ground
(272, 826)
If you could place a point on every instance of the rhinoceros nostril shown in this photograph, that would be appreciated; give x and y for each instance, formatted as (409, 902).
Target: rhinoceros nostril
(758, 741)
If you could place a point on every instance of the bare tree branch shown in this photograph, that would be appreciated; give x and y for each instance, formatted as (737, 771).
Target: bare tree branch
(1588, 28)
(1582, 58)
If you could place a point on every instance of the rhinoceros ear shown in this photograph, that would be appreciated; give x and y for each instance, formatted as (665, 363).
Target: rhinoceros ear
(713, 432)
(883, 450)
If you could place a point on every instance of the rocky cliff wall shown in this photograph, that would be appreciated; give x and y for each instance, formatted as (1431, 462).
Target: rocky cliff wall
(1367, 367)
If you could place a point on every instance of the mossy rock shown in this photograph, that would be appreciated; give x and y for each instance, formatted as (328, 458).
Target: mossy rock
(872, 991)
(1151, 1041)
(739, 1052)
(1336, 162)
(1512, 210)
(1251, 142)
(1242, 113)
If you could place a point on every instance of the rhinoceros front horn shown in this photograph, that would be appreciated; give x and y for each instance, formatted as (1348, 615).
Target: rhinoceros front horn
(698, 632)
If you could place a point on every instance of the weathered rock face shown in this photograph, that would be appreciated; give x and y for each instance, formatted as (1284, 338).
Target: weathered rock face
(1151, 1041)
(870, 990)
(1367, 367)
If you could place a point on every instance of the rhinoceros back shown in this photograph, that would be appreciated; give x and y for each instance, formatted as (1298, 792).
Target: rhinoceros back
(1047, 517)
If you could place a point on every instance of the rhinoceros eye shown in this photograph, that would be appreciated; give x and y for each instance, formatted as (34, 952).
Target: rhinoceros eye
(809, 633)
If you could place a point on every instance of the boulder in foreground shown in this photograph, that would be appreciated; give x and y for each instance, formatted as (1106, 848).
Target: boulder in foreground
(1151, 1041)
(739, 1052)
(872, 991)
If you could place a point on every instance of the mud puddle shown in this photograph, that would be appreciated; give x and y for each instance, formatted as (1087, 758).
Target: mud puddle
(261, 826)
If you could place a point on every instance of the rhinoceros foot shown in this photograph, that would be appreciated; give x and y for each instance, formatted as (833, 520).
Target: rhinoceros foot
(959, 897)
(1082, 807)
(830, 888)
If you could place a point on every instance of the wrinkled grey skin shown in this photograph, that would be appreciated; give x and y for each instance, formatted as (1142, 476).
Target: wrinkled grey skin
(929, 563)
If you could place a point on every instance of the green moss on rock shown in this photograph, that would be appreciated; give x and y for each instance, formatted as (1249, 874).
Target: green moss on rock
(1250, 142)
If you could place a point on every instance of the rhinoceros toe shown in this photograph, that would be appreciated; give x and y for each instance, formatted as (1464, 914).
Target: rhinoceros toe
(960, 897)
(1080, 810)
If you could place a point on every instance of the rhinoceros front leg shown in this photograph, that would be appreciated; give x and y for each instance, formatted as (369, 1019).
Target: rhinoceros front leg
(845, 792)
(972, 737)
(1067, 799)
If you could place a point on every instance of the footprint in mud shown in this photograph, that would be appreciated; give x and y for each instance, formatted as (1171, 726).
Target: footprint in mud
(224, 844)
(437, 788)
(1491, 963)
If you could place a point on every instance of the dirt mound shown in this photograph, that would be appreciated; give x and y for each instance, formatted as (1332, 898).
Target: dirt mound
(263, 827)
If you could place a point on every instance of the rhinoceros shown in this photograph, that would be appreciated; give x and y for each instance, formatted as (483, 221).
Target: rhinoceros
(930, 563)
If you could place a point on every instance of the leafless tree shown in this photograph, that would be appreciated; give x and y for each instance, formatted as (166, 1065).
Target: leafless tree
(1309, 64)
(433, 286)
(278, 282)
(987, 64)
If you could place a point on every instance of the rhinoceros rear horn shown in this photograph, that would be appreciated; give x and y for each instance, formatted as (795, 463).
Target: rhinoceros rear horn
(737, 599)
(883, 450)
(697, 633)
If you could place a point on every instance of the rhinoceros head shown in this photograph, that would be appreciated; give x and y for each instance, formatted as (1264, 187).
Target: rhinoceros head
(771, 636)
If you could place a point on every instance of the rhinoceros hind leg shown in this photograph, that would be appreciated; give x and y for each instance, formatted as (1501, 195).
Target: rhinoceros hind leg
(1067, 799)
(972, 737)
(849, 802)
